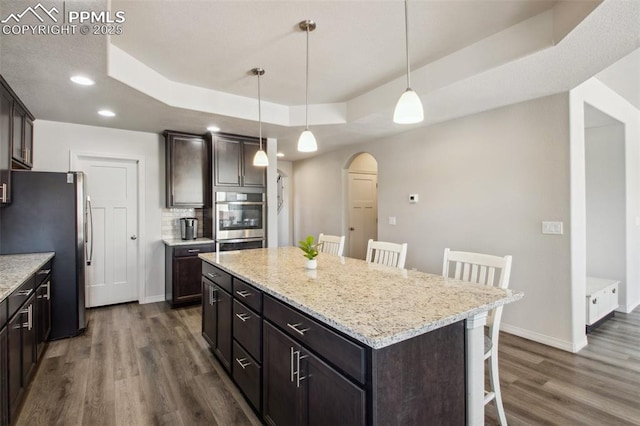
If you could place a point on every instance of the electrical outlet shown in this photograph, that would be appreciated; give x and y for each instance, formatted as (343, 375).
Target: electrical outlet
(413, 198)
(552, 228)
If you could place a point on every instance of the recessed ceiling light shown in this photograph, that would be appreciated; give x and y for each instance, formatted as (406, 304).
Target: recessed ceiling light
(280, 154)
(82, 80)
(213, 129)
(106, 113)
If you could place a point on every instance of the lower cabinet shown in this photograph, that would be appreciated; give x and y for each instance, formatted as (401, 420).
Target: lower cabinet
(21, 353)
(4, 376)
(300, 389)
(216, 320)
(182, 273)
(43, 316)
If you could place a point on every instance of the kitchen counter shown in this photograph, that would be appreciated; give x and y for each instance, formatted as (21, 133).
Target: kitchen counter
(376, 305)
(172, 242)
(15, 269)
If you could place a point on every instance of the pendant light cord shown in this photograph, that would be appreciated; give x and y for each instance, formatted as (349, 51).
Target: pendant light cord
(259, 112)
(306, 96)
(406, 35)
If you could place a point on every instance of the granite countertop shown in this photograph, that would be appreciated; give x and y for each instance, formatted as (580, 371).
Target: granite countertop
(15, 269)
(172, 242)
(374, 304)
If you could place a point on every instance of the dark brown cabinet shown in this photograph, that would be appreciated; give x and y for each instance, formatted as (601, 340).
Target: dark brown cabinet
(233, 162)
(43, 315)
(22, 137)
(187, 170)
(5, 146)
(21, 352)
(183, 269)
(216, 315)
(4, 414)
(301, 389)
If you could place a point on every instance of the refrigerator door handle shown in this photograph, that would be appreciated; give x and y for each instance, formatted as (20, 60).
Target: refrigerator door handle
(90, 248)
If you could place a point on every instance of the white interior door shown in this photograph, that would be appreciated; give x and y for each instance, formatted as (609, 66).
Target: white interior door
(112, 185)
(363, 212)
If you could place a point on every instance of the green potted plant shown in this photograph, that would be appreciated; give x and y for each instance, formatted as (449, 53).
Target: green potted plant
(310, 250)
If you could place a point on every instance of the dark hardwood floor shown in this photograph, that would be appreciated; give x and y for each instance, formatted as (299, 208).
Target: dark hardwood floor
(135, 365)
(147, 364)
(600, 385)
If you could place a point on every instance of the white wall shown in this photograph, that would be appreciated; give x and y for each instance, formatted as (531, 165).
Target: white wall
(605, 202)
(485, 183)
(596, 94)
(53, 142)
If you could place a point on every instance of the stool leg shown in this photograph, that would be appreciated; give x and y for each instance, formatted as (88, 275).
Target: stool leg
(495, 385)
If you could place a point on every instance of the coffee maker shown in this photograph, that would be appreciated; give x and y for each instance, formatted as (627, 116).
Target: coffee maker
(188, 228)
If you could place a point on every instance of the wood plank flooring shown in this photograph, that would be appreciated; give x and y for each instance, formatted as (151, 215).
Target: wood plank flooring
(148, 365)
(135, 365)
(600, 385)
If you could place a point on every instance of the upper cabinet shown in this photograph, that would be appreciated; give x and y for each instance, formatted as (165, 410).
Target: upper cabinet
(233, 159)
(16, 138)
(187, 167)
(22, 137)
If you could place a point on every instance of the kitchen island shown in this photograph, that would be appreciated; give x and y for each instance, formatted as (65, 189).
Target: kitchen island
(350, 342)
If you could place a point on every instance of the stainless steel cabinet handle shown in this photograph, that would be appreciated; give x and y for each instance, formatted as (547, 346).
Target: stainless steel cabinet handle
(29, 311)
(43, 272)
(48, 285)
(296, 329)
(4, 193)
(243, 362)
(25, 292)
(243, 293)
(243, 317)
(613, 291)
(299, 377)
(193, 251)
(212, 298)
(212, 275)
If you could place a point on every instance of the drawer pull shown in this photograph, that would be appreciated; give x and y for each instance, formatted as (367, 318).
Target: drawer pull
(243, 317)
(25, 293)
(29, 311)
(243, 293)
(212, 275)
(44, 272)
(243, 362)
(296, 329)
(193, 251)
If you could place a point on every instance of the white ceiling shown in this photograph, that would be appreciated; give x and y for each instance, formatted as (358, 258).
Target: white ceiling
(183, 65)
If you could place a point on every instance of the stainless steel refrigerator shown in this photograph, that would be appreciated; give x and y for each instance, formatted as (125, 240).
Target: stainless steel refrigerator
(48, 212)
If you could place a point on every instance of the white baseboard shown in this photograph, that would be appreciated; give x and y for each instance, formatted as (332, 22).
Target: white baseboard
(152, 299)
(542, 338)
(627, 309)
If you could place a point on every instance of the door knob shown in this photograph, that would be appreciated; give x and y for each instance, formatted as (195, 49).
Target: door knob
(352, 229)
(134, 237)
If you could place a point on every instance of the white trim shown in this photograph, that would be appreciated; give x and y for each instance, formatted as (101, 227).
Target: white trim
(74, 157)
(544, 339)
(474, 338)
(627, 309)
(152, 299)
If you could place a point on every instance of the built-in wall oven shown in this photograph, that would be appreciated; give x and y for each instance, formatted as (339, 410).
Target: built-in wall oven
(240, 220)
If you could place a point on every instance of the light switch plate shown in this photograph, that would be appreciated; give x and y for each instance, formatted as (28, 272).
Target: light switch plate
(392, 220)
(552, 228)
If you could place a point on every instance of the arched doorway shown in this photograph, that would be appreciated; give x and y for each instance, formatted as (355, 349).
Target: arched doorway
(362, 203)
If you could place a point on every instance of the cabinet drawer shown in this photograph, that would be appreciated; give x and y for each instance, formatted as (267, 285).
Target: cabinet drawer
(21, 294)
(246, 373)
(216, 275)
(249, 295)
(247, 326)
(192, 250)
(339, 351)
(43, 273)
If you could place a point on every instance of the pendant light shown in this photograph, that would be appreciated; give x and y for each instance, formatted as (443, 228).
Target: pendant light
(260, 158)
(307, 142)
(409, 108)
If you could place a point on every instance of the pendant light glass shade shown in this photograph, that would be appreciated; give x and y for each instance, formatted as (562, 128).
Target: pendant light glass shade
(306, 141)
(260, 159)
(409, 108)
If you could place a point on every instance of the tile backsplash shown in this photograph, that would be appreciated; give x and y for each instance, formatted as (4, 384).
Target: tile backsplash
(171, 221)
